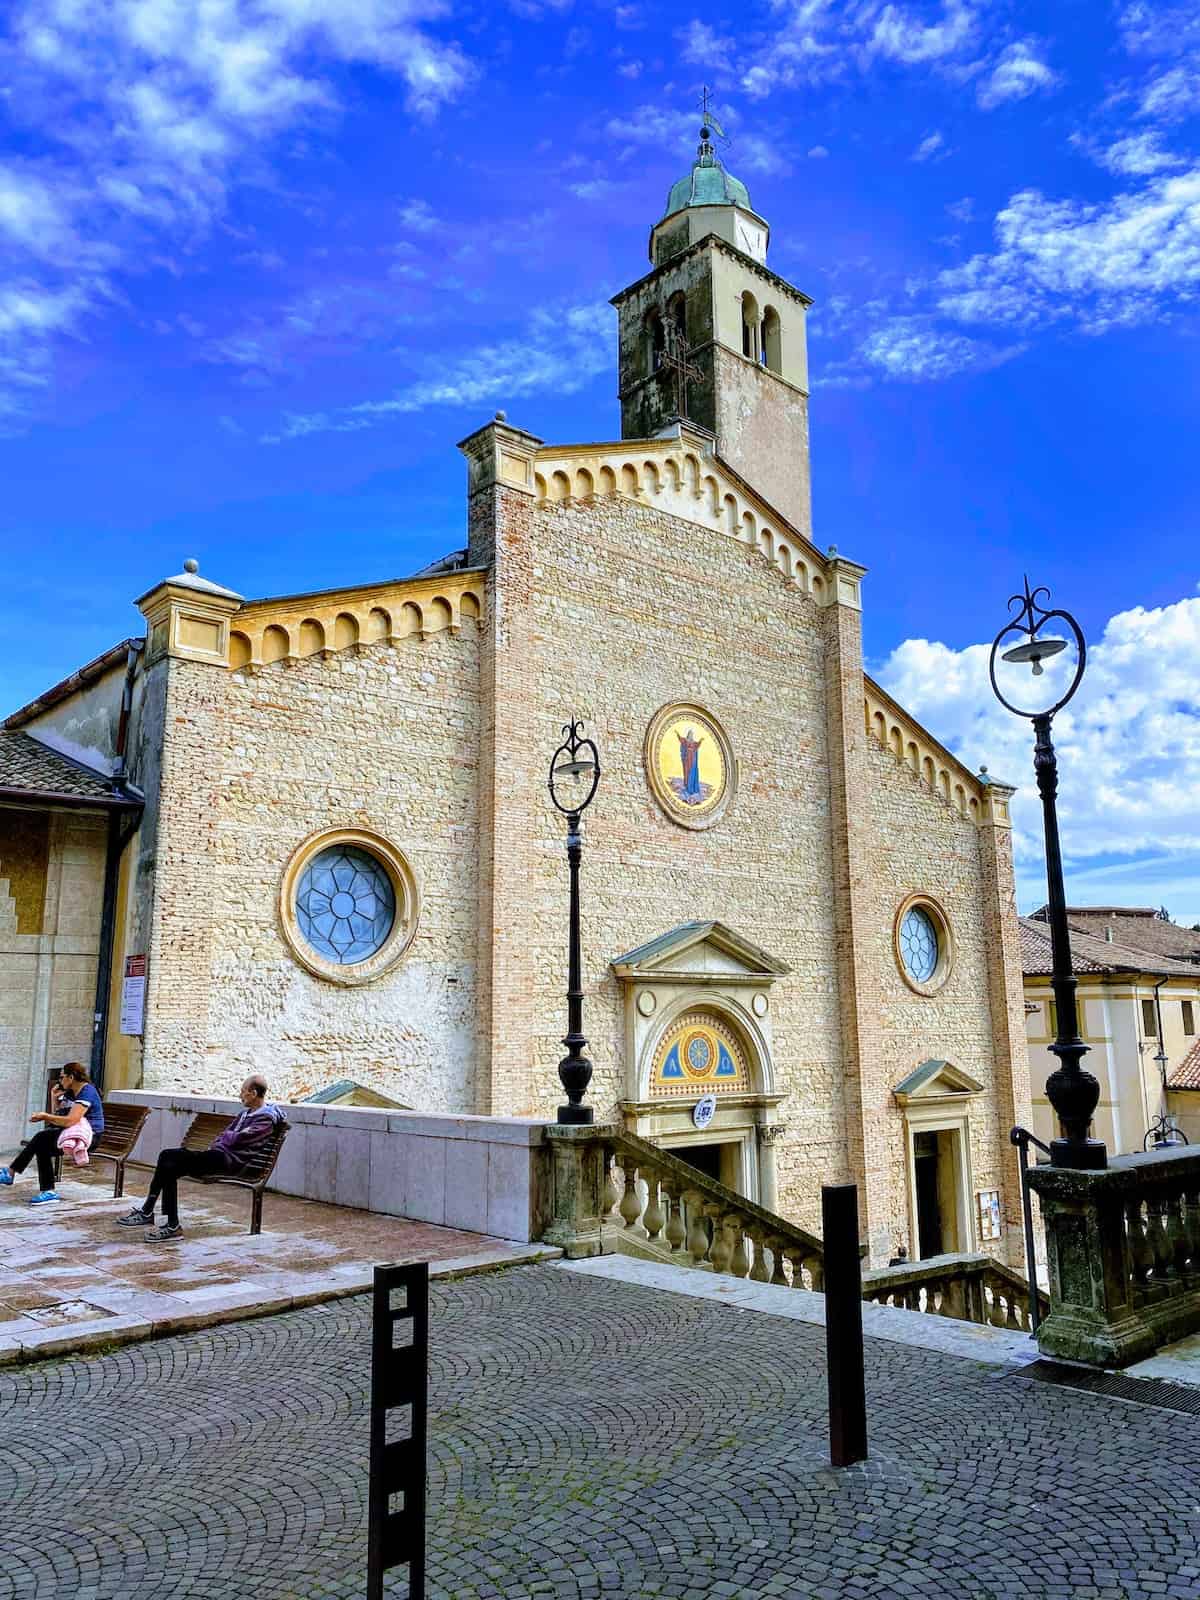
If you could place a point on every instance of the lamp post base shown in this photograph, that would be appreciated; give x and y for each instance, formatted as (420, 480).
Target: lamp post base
(1086, 1155)
(576, 1115)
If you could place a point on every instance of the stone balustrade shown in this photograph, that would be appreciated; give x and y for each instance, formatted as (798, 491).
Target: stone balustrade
(614, 1191)
(969, 1288)
(1123, 1248)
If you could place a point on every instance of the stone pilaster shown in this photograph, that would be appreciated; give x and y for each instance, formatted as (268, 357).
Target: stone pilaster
(871, 1158)
(500, 501)
(172, 919)
(1007, 1000)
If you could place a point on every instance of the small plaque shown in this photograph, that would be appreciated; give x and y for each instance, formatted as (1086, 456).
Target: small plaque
(704, 1110)
(991, 1224)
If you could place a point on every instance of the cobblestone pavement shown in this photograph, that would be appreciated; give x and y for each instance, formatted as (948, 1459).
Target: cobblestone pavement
(587, 1438)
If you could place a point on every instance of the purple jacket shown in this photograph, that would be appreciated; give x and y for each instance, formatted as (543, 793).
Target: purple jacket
(248, 1132)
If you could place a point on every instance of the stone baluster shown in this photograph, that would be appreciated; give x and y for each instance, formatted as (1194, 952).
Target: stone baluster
(697, 1233)
(612, 1192)
(654, 1217)
(996, 1309)
(739, 1260)
(1140, 1253)
(759, 1272)
(1191, 1218)
(778, 1276)
(795, 1260)
(676, 1232)
(721, 1252)
(1012, 1320)
(816, 1271)
(954, 1300)
(631, 1200)
(1164, 1264)
(1177, 1234)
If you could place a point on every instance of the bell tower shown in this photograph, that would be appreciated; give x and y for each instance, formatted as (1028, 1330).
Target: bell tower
(711, 301)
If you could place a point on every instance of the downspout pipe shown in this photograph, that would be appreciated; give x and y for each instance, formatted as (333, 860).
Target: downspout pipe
(122, 825)
(1161, 1057)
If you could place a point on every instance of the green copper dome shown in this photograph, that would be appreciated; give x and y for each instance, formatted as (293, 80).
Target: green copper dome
(708, 184)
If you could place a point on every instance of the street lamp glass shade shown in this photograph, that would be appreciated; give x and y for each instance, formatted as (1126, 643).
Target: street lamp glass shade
(575, 769)
(1035, 651)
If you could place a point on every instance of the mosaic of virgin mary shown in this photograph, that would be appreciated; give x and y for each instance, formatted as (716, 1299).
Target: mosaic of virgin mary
(687, 763)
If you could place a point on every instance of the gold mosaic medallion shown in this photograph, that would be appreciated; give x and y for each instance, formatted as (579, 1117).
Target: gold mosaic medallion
(690, 765)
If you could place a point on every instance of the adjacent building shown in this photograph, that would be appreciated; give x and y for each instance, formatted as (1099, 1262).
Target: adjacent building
(1138, 994)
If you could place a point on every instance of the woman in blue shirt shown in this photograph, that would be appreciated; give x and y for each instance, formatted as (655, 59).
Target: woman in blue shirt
(76, 1098)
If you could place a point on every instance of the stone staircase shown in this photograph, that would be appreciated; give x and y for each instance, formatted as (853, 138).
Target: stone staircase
(615, 1192)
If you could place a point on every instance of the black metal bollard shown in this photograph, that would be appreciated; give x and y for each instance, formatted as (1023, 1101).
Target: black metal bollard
(399, 1377)
(843, 1325)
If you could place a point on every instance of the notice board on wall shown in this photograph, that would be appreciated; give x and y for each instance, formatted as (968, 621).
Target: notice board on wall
(133, 995)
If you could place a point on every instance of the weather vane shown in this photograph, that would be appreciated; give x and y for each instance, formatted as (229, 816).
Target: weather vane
(711, 125)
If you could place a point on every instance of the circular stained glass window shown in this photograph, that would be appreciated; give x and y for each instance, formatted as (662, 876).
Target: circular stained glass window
(345, 905)
(919, 944)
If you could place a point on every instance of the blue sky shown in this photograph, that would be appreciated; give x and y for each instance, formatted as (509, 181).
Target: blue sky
(262, 264)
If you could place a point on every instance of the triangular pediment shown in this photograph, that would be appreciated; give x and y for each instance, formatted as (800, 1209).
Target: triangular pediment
(936, 1080)
(697, 948)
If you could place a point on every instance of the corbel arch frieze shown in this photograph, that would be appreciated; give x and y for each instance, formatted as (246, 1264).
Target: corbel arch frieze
(679, 480)
(291, 629)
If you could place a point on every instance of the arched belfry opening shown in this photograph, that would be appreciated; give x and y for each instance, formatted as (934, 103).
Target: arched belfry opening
(772, 340)
(654, 341)
(751, 344)
(698, 1035)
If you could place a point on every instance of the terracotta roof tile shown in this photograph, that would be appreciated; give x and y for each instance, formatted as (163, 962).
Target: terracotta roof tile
(1091, 954)
(1187, 1073)
(28, 767)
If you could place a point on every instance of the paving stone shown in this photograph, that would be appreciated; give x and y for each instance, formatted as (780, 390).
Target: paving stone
(587, 1438)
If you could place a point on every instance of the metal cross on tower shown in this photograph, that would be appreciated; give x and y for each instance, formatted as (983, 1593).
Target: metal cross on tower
(675, 358)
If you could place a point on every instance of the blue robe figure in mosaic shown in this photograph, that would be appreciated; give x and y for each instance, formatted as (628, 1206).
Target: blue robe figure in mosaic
(689, 756)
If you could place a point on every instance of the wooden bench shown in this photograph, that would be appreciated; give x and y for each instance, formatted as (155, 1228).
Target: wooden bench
(122, 1124)
(253, 1174)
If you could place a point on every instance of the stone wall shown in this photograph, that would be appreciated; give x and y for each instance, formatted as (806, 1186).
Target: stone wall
(635, 608)
(47, 973)
(380, 737)
(631, 608)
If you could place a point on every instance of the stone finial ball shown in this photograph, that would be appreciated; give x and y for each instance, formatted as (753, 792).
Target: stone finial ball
(502, 416)
(191, 565)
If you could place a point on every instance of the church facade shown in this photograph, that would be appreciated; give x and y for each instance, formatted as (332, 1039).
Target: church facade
(795, 901)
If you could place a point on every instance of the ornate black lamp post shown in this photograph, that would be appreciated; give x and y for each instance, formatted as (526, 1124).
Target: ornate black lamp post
(1071, 1091)
(574, 775)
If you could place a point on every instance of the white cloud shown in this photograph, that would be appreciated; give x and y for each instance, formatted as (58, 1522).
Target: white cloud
(898, 34)
(961, 210)
(909, 348)
(933, 144)
(1139, 155)
(705, 47)
(418, 216)
(160, 107)
(561, 351)
(818, 153)
(1127, 747)
(1172, 95)
(1018, 72)
(1124, 261)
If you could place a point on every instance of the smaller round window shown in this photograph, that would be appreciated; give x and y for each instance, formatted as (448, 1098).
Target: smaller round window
(924, 944)
(919, 944)
(345, 905)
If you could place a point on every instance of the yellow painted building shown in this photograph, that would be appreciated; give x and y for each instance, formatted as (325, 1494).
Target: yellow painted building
(796, 901)
(1139, 1011)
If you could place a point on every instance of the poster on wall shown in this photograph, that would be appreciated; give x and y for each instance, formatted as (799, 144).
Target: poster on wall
(988, 1201)
(133, 995)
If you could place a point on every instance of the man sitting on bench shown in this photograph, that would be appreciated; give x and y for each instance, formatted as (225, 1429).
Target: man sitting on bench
(229, 1151)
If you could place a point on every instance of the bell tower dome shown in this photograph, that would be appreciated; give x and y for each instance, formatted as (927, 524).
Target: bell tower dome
(712, 307)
